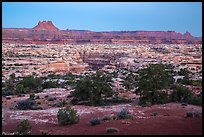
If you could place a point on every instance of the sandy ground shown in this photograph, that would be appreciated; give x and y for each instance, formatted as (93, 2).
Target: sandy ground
(170, 119)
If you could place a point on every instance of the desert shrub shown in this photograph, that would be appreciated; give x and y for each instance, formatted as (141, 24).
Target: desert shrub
(112, 130)
(197, 82)
(36, 107)
(94, 89)
(152, 80)
(24, 128)
(185, 81)
(51, 99)
(106, 118)
(46, 96)
(32, 96)
(154, 97)
(95, 121)
(44, 132)
(52, 105)
(144, 102)
(37, 97)
(154, 114)
(38, 103)
(74, 101)
(184, 104)
(193, 114)
(124, 114)
(7, 92)
(31, 82)
(26, 104)
(69, 96)
(61, 104)
(181, 94)
(195, 100)
(67, 116)
(118, 99)
(49, 84)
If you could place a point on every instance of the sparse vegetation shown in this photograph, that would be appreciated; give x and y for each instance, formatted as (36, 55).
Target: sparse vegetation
(106, 118)
(154, 114)
(37, 97)
(67, 116)
(93, 89)
(193, 114)
(32, 96)
(26, 104)
(181, 94)
(50, 84)
(152, 80)
(24, 128)
(44, 132)
(124, 114)
(95, 121)
(51, 98)
(112, 130)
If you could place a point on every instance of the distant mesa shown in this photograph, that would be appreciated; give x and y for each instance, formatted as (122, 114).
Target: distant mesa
(46, 25)
(187, 34)
(46, 32)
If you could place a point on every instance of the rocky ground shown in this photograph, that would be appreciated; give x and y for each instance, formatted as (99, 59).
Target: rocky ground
(168, 119)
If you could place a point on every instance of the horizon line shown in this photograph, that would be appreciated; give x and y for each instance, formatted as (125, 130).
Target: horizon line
(109, 30)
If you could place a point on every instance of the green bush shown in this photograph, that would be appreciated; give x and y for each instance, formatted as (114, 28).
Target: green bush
(145, 101)
(67, 116)
(31, 82)
(185, 81)
(38, 103)
(95, 121)
(195, 100)
(7, 92)
(118, 99)
(197, 82)
(36, 107)
(124, 114)
(44, 132)
(160, 98)
(156, 97)
(181, 94)
(152, 80)
(106, 118)
(26, 104)
(37, 97)
(49, 84)
(193, 114)
(32, 96)
(24, 128)
(51, 99)
(112, 130)
(61, 104)
(93, 89)
(52, 105)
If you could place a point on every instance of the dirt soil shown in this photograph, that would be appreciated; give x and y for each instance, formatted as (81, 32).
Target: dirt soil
(170, 119)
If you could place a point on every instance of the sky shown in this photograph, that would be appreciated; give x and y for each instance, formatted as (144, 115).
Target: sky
(106, 16)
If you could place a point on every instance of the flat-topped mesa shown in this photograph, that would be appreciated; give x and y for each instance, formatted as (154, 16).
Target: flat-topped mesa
(46, 25)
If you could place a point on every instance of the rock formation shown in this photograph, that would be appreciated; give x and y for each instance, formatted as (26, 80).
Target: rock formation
(46, 32)
(46, 25)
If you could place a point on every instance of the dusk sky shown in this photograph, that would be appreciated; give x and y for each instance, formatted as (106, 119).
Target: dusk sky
(106, 16)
